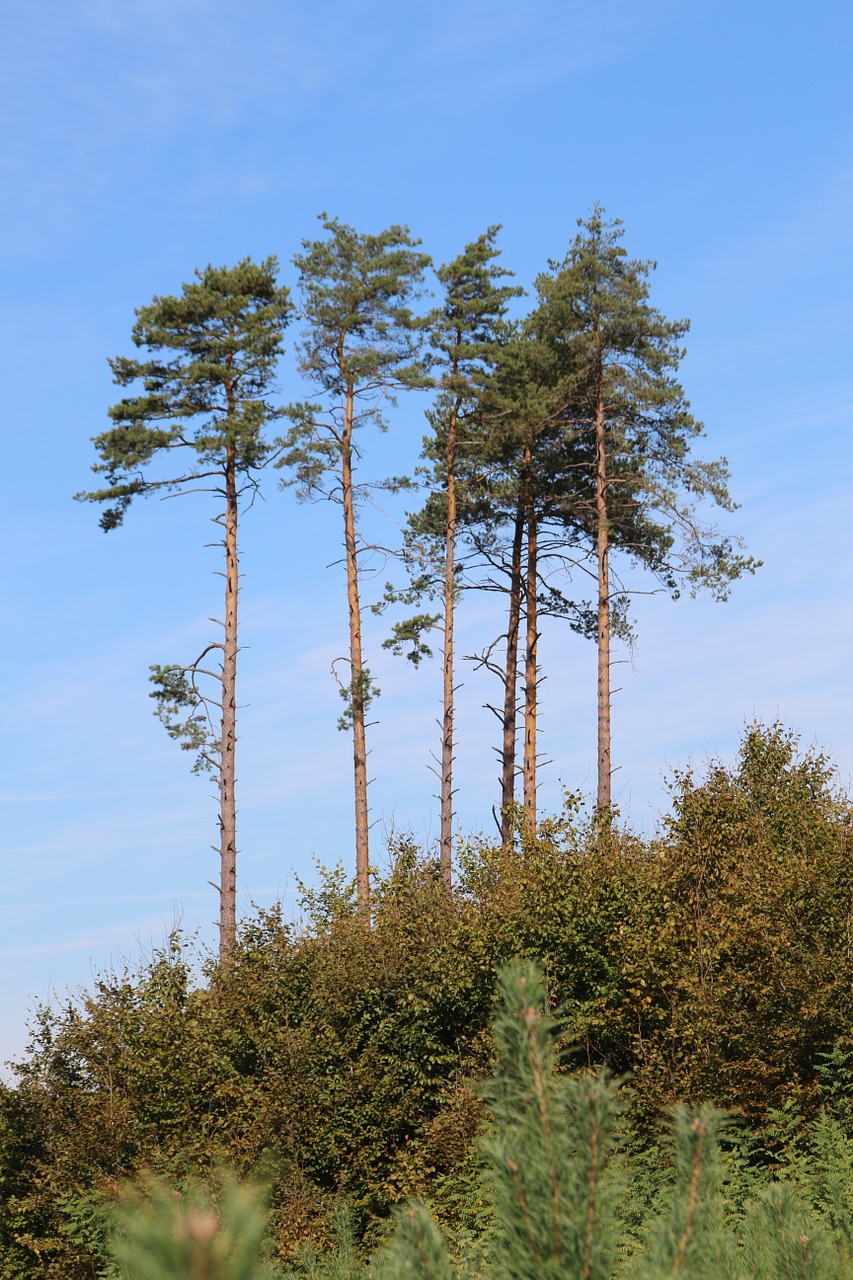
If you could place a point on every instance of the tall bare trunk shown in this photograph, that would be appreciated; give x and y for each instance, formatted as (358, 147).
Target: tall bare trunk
(510, 684)
(446, 838)
(530, 670)
(227, 800)
(603, 549)
(357, 686)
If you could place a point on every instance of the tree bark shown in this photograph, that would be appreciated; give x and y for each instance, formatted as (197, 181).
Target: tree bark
(357, 675)
(603, 551)
(446, 830)
(530, 673)
(510, 684)
(227, 779)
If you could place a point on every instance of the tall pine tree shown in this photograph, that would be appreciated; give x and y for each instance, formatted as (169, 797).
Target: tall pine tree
(628, 421)
(360, 344)
(529, 484)
(466, 332)
(197, 422)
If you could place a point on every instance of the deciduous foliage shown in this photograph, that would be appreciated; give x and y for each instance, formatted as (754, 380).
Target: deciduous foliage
(712, 964)
(554, 1188)
(198, 423)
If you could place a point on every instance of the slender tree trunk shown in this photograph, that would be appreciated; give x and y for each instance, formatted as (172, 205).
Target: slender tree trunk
(603, 549)
(530, 670)
(446, 837)
(357, 674)
(510, 683)
(227, 778)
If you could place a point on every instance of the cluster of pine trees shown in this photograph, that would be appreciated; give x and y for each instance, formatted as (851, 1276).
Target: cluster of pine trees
(559, 444)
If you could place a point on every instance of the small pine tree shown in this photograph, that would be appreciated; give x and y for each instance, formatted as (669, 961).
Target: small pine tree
(691, 1240)
(551, 1185)
(781, 1239)
(554, 1187)
(417, 1249)
(163, 1234)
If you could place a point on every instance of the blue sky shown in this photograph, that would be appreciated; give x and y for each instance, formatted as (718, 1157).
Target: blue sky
(143, 139)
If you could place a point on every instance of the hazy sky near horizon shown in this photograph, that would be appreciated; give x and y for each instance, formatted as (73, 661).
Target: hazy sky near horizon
(143, 139)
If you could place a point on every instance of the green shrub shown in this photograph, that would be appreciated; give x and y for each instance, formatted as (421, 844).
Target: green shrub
(710, 963)
(555, 1189)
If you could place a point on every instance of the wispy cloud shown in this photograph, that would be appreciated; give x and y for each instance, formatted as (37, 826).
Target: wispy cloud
(508, 47)
(173, 895)
(127, 79)
(96, 941)
(165, 895)
(101, 82)
(56, 797)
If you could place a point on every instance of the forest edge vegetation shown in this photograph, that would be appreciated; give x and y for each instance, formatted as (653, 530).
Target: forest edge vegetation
(710, 964)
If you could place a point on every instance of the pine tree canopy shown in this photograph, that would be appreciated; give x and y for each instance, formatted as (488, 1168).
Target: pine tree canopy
(605, 346)
(205, 389)
(357, 292)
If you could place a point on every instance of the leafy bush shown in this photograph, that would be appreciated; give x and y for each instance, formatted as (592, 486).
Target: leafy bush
(555, 1190)
(710, 963)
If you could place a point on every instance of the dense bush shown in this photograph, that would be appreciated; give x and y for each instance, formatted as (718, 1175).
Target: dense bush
(711, 962)
(554, 1186)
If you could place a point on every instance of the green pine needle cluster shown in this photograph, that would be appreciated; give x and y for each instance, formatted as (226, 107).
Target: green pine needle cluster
(164, 1234)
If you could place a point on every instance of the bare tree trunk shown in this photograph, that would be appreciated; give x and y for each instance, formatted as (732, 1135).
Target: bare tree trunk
(446, 836)
(357, 674)
(510, 684)
(530, 670)
(227, 778)
(603, 549)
